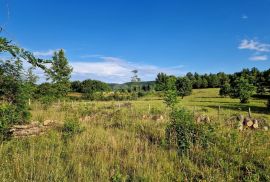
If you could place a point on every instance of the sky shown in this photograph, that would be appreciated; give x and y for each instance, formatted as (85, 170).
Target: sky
(107, 39)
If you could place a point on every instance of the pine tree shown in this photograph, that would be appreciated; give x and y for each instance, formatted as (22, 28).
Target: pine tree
(60, 73)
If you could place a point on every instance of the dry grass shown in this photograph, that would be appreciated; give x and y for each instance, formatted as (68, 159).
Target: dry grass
(118, 145)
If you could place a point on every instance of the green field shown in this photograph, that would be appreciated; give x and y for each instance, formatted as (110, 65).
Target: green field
(119, 145)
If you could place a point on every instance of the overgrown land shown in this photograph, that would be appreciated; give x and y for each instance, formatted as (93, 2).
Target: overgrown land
(211, 127)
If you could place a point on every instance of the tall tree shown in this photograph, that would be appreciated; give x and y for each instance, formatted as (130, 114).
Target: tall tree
(161, 82)
(60, 73)
(242, 89)
(183, 86)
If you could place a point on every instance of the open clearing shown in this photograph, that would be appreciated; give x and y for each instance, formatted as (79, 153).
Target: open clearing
(118, 144)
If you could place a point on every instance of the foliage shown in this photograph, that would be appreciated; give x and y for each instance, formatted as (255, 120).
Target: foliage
(72, 127)
(185, 133)
(161, 82)
(88, 86)
(60, 73)
(242, 89)
(225, 90)
(8, 117)
(13, 88)
(183, 86)
(170, 98)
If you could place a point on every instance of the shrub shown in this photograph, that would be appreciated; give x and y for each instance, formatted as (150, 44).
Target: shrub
(183, 132)
(225, 90)
(72, 127)
(8, 117)
(47, 101)
(170, 98)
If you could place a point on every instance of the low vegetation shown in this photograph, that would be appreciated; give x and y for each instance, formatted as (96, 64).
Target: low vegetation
(140, 132)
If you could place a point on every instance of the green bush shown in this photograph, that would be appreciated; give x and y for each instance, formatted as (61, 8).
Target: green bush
(47, 101)
(183, 132)
(72, 127)
(8, 117)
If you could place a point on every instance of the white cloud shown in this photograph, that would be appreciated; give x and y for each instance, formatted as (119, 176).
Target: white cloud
(254, 46)
(117, 70)
(259, 58)
(47, 53)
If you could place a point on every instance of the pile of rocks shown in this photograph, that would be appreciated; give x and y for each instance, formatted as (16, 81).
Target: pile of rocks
(32, 129)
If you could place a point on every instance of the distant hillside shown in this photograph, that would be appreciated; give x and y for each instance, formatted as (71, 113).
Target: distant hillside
(116, 86)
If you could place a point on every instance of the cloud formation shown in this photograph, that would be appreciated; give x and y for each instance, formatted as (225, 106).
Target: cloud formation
(47, 53)
(117, 70)
(257, 48)
(259, 58)
(254, 46)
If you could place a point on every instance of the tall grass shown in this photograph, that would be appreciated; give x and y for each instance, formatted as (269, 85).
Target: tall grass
(118, 145)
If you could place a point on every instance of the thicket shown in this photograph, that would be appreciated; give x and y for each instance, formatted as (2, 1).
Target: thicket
(16, 84)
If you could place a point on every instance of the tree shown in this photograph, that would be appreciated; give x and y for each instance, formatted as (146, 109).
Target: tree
(242, 89)
(30, 83)
(60, 73)
(183, 86)
(225, 90)
(170, 98)
(161, 82)
(204, 83)
(13, 84)
(213, 81)
(135, 77)
(76, 86)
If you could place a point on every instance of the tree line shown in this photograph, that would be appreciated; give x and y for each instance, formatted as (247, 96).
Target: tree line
(240, 85)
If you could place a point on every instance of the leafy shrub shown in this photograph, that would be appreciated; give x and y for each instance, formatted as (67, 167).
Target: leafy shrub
(8, 117)
(225, 90)
(47, 101)
(170, 98)
(183, 132)
(72, 127)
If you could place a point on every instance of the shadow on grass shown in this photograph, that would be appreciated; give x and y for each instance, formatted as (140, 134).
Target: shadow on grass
(239, 107)
(206, 97)
(261, 97)
(209, 101)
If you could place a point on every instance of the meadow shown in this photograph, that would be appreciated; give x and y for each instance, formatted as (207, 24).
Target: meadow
(119, 144)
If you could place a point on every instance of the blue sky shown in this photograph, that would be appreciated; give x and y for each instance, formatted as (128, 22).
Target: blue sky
(106, 39)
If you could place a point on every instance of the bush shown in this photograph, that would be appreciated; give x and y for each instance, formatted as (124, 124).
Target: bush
(183, 132)
(170, 98)
(72, 127)
(47, 101)
(225, 90)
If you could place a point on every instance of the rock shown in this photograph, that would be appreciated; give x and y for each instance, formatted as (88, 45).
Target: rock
(145, 117)
(198, 120)
(48, 122)
(157, 117)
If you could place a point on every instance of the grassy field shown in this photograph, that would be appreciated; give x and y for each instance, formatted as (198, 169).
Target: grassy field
(119, 145)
